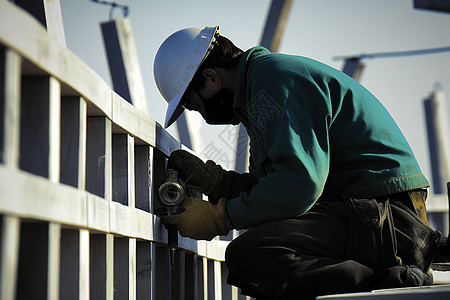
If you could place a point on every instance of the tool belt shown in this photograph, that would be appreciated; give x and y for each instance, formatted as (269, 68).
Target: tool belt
(394, 229)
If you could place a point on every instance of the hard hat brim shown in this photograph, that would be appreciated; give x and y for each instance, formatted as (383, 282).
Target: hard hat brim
(174, 110)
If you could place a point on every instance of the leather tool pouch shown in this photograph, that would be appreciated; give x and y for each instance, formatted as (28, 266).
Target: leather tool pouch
(417, 242)
(372, 240)
(386, 233)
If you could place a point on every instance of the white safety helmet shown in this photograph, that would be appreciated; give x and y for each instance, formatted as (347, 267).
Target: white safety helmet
(177, 60)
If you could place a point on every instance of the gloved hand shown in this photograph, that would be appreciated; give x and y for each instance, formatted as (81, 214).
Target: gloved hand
(193, 171)
(213, 180)
(201, 220)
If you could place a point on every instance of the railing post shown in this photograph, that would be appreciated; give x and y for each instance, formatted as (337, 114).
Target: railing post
(84, 264)
(9, 247)
(10, 64)
(54, 237)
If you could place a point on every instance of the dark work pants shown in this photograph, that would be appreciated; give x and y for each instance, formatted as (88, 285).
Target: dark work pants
(347, 245)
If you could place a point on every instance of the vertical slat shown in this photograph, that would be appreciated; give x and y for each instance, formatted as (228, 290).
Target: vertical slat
(34, 125)
(205, 276)
(33, 261)
(54, 129)
(10, 64)
(54, 237)
(82, 145)
(70, 264)
(3, 104)
(9, 247)
(132, 268)
(84, 262)
(217, 279)
(10, 107)
(144, 270)
(109, 266)
(121, 268)
(131, 173)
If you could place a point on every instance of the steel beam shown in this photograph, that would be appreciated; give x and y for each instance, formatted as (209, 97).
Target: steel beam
(437, 5)
(353, 67)
(275, 24)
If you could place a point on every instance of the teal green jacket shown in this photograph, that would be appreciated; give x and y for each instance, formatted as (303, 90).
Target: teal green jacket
(315, 135)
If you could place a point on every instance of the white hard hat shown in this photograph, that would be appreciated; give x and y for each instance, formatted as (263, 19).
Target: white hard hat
(176, 62)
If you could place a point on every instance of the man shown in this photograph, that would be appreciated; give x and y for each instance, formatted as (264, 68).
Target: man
(334, 201)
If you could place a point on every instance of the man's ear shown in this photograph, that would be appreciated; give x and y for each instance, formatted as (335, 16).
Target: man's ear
(211, 76)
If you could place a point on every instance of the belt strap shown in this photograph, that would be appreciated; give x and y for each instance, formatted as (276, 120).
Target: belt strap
(418, 197)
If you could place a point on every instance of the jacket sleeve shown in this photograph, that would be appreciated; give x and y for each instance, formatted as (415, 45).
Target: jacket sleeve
(230, 183)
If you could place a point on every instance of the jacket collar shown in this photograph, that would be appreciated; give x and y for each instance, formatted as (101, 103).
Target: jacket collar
(241, 81)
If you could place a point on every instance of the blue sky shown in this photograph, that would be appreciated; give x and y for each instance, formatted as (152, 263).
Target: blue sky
(320, 29)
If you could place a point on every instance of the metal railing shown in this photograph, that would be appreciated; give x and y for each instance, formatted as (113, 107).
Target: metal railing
(78, 171)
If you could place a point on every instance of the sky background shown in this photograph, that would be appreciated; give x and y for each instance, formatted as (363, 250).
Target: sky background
(320, 29)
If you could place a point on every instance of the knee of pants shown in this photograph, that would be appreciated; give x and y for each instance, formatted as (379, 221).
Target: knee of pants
(233, 254)
(240, 255)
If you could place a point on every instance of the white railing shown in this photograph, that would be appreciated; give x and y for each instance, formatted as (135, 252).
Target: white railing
(78, 170)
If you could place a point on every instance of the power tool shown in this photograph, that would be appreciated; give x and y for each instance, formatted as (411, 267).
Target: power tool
(170, 194)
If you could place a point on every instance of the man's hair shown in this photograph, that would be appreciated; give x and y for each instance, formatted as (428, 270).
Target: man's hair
(224, 54)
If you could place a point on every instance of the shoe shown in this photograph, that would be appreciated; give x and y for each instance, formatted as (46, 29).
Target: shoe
(416, 277)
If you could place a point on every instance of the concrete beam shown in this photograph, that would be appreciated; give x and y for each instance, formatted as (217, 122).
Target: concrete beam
(353, 67)
(123, 62)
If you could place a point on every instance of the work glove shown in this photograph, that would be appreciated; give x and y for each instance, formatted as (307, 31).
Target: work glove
(201, 220)
(213, 180)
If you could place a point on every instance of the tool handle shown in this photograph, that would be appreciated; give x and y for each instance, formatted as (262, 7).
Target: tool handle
(172, 236)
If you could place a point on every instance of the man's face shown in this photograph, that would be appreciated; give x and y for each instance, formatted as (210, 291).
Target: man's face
(212, 101)
(194, 100)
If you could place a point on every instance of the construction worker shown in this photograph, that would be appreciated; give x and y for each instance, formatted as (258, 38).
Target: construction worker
(334, 201)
